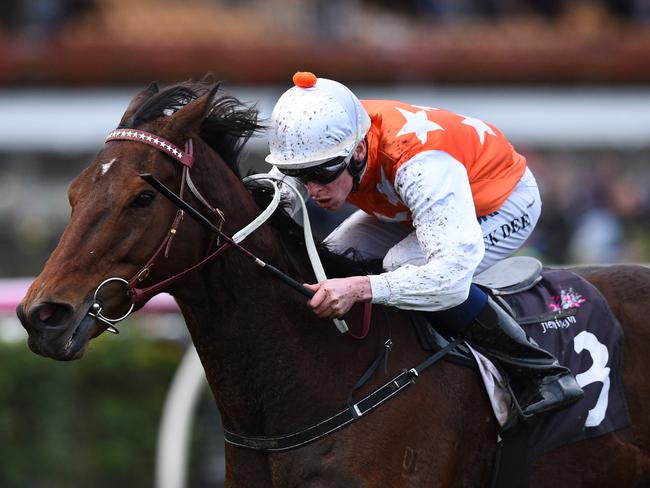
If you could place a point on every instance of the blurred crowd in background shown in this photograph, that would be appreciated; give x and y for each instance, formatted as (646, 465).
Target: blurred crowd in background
(596, 207)
(44, 18)
(369, 41)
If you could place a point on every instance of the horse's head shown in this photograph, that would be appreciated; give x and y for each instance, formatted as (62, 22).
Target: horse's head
(118, 221)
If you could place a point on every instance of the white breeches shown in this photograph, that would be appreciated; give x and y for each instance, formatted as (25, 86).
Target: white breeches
(504, 231)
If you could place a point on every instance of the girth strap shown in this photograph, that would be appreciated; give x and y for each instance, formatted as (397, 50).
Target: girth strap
(341, 419)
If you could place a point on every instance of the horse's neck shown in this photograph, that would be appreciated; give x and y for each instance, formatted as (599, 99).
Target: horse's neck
(253, 333)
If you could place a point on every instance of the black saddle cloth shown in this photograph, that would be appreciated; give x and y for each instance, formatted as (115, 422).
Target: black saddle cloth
(566, 315)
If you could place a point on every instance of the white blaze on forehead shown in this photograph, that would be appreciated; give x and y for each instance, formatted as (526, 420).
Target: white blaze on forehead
(107, 166)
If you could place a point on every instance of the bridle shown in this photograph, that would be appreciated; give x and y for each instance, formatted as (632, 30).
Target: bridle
(136, 294)
(186, 158)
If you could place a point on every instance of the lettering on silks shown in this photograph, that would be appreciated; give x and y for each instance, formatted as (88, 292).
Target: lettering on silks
(506, 230)
(515, 226)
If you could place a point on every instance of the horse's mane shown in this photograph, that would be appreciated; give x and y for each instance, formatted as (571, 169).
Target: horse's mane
(227, 127)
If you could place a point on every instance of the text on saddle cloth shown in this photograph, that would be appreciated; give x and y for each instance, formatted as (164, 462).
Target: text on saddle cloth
(568, 316)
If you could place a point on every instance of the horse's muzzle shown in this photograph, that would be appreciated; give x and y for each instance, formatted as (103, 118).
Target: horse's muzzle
(55, 330)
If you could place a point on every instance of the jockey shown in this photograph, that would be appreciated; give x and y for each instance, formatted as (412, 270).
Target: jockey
(441, 196)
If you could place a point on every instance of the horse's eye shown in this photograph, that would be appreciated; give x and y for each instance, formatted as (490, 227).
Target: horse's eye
(144, 199)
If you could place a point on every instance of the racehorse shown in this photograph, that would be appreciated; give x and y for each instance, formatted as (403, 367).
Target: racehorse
(273, 366)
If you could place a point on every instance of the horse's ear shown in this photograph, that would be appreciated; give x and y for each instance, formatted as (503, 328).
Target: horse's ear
(137, 102)
(190, 116)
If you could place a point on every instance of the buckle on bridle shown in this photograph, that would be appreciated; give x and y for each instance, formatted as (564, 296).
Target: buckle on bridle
(142, 275)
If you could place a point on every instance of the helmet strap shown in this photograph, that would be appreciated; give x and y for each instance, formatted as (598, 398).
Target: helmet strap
(355, 168)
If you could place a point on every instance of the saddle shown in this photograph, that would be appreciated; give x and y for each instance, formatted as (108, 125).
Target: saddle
(512, 275)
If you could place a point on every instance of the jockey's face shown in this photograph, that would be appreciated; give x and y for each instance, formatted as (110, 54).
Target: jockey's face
(331, 195)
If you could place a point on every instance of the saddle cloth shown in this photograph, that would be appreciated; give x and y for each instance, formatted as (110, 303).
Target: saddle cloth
(567, 316)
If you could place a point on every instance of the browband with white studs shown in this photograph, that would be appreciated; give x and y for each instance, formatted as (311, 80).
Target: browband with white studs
(184, 157)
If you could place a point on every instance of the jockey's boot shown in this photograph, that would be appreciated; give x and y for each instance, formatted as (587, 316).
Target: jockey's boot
(538, 381)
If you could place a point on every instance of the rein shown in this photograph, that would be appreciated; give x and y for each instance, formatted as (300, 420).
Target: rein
(186, 158)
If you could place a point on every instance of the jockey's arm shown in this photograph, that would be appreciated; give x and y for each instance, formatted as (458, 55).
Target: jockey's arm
(336, 296)
(435, 187)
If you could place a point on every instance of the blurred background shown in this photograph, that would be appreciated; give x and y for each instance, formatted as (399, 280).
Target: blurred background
(567, 81)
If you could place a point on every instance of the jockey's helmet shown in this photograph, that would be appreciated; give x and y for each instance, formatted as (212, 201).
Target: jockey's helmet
(313, 122)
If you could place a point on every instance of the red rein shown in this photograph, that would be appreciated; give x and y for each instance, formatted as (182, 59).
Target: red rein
(186, 158)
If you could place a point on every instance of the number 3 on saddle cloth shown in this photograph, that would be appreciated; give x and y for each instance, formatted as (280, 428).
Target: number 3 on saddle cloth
(567, 316)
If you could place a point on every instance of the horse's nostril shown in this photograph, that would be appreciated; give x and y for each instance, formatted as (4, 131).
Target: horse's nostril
(45, 312)
(50, 314)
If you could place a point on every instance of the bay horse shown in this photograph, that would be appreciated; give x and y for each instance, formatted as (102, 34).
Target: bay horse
(273, 366)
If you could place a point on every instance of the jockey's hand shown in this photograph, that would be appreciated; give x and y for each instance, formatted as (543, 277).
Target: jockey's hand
(333, 298)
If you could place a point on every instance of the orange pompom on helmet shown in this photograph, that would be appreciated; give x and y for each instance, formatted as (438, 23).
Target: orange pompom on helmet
(314, 121)
(304, 79)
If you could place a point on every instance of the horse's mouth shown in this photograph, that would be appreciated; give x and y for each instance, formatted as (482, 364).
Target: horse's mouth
(69, 346)
(80, 338)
